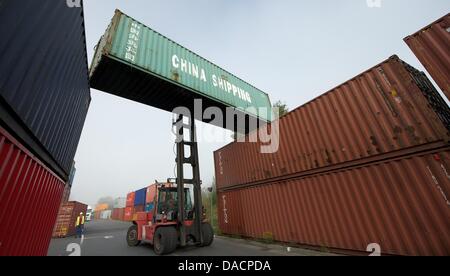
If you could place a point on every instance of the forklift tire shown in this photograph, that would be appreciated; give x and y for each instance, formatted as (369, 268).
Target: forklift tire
(165, 240)
(208, 235)
(132, 236)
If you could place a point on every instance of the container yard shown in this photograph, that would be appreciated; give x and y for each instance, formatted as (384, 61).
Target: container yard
(344, 149)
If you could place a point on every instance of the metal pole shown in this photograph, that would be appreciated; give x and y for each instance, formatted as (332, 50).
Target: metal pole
(197, 182)
(212, 221)
(180, 179)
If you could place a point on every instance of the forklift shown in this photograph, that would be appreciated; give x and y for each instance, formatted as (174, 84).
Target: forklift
(178, 218)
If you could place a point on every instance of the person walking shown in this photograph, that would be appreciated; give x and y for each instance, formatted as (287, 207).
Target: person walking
(80, 225)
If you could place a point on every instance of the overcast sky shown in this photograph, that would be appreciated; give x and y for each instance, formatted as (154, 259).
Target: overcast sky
(293, 50)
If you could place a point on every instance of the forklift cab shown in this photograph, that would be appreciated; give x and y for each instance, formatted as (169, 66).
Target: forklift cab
(167, 205)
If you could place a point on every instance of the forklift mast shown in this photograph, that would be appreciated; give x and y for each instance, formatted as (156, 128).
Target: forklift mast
(193, 160)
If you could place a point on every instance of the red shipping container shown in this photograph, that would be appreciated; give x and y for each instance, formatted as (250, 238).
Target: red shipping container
(66, 220)
(121, 214)
(115, 214)
(118, 214)
(130, 199)
(151, 193)
(401, 204)
(128, 215)
(389, 109)
(29, 200)
(431, 45)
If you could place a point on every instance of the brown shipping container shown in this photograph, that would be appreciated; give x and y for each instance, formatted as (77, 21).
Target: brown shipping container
(403, 205)
(67, 216)
(30, 195)
(389, 109)
(431, 45)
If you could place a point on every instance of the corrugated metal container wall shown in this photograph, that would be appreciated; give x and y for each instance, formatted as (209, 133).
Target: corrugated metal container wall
(162, 79)
(27, 187)
(115, 214)
(118, 214)
(130, 199)
(151, 193)
(403, 205)
(388, 109)
(431, 45)
(44, 86)
(140, 196)
(67, 217)
(128, 215)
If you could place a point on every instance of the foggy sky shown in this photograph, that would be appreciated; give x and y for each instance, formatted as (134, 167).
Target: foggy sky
(293, 50)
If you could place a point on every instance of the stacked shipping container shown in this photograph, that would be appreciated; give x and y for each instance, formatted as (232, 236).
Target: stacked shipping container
(118, 214)
(44, 98)
(141, 200)
(431, 46)
(335, 169)
(390, 108)
(44, 87)
(30, 190)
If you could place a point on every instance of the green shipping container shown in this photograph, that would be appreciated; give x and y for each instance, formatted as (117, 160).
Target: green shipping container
(137, 63)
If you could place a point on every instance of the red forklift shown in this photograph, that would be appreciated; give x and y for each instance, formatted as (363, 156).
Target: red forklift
(178, 217)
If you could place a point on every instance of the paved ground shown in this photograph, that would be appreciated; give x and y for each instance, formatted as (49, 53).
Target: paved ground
(107, 238)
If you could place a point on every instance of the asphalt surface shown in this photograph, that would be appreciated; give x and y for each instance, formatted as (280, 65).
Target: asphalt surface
(108, 238)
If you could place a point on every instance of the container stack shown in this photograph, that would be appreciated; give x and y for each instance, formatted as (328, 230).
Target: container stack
(66, 220)
(367, 162)
(119, 209)
(129, 209)
(141, 200)
(44, 99)
(431, 46)
(101, 211)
